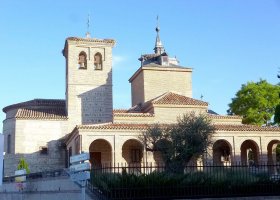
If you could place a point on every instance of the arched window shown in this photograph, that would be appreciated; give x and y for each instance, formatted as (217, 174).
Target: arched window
(82, 60)
(98, 61)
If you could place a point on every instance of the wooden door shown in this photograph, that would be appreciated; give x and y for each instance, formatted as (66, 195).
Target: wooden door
(95, 159)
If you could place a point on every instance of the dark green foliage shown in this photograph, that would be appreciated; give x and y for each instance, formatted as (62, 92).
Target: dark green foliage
(178, 144)
(171, 185)
(256, 102)
(277, 114)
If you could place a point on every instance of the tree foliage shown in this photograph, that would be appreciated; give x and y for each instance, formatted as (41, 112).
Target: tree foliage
(22, 164)
(181, 142)
(277, 114)
(256, 102)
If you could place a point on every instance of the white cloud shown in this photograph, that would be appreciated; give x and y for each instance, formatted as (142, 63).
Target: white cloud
(117, 60)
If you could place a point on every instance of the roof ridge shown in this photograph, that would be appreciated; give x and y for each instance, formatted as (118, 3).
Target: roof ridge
(36, 102)
(219, 127)
(41, 113)
(177, 99)
(224, 116)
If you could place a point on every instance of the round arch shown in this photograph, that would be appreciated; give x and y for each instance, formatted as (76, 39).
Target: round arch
(222, 152)
(100, 151)
(132, 151)
(82, 60)
(249, 152)
(272, 154)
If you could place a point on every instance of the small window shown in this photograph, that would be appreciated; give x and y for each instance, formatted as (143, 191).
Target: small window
(9, 144)
(98, 61)
(82, 60)
(43, 150)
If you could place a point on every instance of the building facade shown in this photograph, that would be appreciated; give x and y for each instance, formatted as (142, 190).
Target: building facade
(46, 132)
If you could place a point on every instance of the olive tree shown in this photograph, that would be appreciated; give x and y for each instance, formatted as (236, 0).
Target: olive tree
(179, 143)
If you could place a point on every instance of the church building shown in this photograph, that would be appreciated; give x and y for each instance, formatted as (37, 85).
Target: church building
(46, 132)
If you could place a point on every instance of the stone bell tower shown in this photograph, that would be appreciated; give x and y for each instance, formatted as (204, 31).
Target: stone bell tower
(88, 80)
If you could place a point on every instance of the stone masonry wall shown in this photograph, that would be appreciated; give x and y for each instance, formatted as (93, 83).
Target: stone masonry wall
(170, 115)
(137, 90)
(157, 81)
(89, 91)
(31, 136)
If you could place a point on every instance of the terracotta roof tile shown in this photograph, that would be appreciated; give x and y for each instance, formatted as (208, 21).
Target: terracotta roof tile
(224, 116)
(176, 99)
(120, 110)
(132, 112)
(41, 113)
(243, 127)
(136, 114)
(219, 127)
(115, 126)
(36, 103)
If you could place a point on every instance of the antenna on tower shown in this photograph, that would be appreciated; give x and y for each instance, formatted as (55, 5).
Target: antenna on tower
(88, 25)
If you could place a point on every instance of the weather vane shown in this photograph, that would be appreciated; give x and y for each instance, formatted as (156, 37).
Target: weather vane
(88, 25)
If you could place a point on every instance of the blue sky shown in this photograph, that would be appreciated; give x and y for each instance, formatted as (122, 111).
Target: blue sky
(227, 43)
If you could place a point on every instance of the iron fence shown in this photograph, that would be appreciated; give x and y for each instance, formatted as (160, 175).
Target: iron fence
(35, 175)
(154, 181)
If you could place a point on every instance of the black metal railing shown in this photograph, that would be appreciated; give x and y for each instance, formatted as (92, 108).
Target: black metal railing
(154, 181)
(44, 174)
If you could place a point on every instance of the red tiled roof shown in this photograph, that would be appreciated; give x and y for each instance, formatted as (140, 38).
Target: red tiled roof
(36, 103)
(115, 126)
(120, 111)
(176, 99)
(243, 127)
(41, 113)
(40, 109)
(219, 127)
(224, 116)
(136, 114)
(130, 113)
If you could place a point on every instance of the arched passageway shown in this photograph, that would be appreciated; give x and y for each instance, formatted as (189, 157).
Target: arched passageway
(132, 151)
(249, 153)
(273, 156)
(273, 152)
(222, 153)
(100, 152)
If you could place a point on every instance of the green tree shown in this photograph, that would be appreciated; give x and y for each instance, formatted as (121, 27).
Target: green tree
(277, 115)
(181, 142)
(22, 164)
(256, 102)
